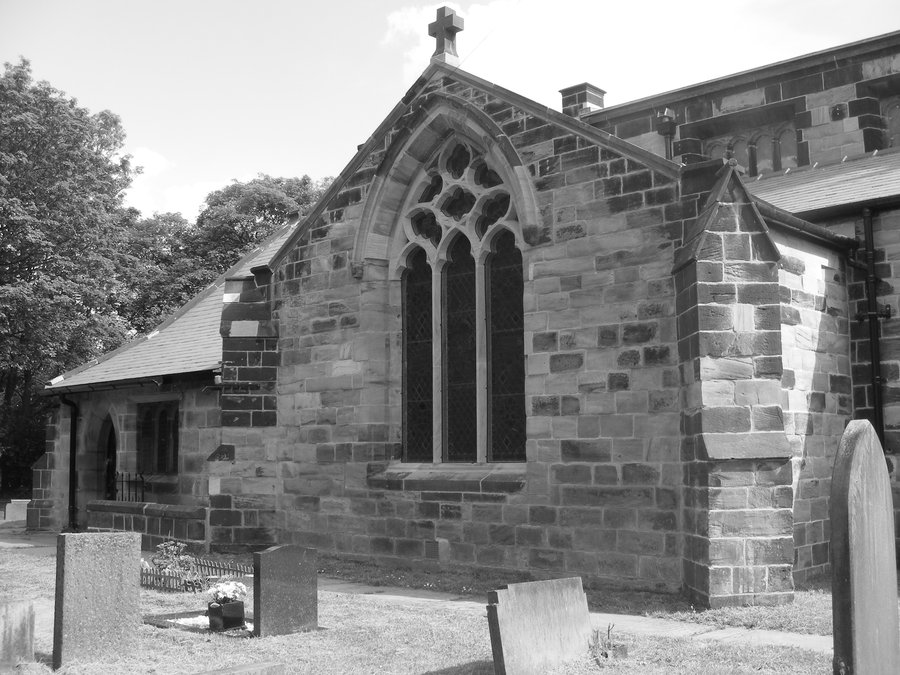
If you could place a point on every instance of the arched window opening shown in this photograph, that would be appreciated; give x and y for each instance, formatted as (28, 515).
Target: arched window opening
(506, 350)
(786, 148)
(460, 356)
(892, 132)
(418, 400)
(463, 341)
(107, 453)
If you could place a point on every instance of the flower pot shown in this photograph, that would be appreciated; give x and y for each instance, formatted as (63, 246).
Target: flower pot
(225, 615)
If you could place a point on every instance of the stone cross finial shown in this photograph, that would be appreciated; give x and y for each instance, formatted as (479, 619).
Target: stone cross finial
(444, 30)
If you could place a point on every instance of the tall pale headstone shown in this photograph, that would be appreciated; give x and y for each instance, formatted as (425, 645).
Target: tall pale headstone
(16, 634)
(285, 591)
(538, 625)
(98, 603)
(863, 560)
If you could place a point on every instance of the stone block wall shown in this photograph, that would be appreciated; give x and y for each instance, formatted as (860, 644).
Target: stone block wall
(817, 385)
(249, 354)
(198, 437)
(831, 106)
(156, 523)
(42, 512)
(599, 494)
(244, 487)
(737, 475)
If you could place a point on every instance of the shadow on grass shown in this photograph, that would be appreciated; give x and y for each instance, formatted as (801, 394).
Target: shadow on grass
(471, 668)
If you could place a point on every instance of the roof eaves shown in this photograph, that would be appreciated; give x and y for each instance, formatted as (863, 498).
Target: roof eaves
(785, 220)
(53, 390)
(355, 162)
(748, 77)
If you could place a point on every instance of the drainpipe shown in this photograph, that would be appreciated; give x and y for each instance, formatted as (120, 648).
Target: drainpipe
(73, 476)
(873, 315)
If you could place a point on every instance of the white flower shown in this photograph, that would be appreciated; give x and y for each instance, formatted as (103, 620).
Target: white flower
(227, 591)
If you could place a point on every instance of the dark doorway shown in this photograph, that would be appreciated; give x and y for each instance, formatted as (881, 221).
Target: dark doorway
(108, 452)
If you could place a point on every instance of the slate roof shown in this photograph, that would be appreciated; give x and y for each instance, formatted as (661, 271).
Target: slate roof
(187, 342)
(866, 181)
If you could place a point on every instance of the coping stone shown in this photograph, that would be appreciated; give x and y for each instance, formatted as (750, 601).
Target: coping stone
(98, 605)
(538, 625)
(285, 590)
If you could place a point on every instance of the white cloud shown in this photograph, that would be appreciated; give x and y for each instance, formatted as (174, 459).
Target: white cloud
(152, 162)
(188, 199)
(156, 190)
(631, 50)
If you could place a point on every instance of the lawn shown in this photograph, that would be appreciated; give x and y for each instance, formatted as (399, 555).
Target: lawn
(368, 634)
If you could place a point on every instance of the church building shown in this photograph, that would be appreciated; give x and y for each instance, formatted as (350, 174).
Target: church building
(615, 342)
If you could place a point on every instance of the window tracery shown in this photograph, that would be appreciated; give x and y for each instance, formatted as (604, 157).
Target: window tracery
(463, 325)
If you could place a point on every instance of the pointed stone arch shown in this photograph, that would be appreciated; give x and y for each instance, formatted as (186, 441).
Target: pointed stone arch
(409, 172)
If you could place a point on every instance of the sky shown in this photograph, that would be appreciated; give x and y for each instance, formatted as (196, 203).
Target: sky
(211, 91)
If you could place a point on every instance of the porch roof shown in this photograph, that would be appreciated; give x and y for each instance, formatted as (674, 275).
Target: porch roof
(187, 342)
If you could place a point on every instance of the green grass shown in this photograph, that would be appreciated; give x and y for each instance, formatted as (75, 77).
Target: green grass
(364, 633)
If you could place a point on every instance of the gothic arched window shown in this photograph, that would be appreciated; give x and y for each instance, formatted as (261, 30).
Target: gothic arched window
(463, 325)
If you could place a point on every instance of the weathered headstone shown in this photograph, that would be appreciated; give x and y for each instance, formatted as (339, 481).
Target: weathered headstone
(98, 605)
(16, 634)
(538, 625)
(16, 509)
(863, 560)
(285, 591)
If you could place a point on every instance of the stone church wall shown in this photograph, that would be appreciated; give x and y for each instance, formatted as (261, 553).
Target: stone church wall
(599, 494)
(817, 386)
(198, 436)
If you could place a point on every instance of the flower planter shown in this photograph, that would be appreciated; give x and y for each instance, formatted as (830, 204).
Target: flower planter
(226, 615)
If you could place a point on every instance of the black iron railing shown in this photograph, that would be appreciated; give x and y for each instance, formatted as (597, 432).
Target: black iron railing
(130, 487)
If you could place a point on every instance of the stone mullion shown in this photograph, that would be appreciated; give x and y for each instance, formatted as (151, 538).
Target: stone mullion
(437, 371)
(482, 416)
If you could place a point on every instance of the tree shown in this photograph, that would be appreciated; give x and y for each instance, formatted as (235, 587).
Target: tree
(61, 221)
(241, 215)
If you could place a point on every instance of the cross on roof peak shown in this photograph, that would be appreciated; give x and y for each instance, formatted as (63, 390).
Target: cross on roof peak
(444, 30)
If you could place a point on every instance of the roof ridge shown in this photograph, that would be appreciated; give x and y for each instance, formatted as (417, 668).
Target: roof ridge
(568, 123)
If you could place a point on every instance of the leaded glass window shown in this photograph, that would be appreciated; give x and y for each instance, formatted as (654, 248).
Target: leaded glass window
(463, 332)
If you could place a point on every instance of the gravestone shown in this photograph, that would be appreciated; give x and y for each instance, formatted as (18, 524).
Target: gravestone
(16, 510)
(285, 591)
(16, 634)
(98, 606)
(537, 625)
(863, 560)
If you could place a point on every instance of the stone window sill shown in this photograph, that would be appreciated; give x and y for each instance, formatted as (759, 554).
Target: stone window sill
(500, 478)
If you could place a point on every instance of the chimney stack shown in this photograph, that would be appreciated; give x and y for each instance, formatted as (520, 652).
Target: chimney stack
(581, 99)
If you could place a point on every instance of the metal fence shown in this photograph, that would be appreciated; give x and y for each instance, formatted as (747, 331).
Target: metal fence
(197, 579)
(130, 487)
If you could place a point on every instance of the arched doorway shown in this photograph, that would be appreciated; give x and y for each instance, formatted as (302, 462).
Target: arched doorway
(107, 454)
